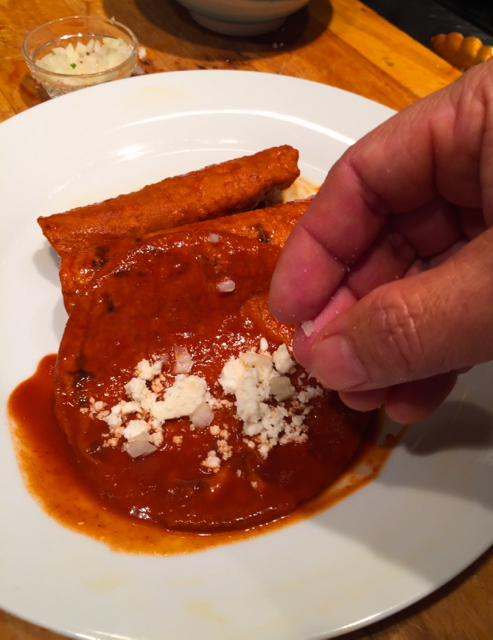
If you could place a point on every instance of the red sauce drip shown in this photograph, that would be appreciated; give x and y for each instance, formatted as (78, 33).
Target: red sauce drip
(53, 478)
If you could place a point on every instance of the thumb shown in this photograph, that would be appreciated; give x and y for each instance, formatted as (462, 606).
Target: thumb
(438, 321)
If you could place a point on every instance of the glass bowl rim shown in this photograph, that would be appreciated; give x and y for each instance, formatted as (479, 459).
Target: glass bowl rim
(58, 76)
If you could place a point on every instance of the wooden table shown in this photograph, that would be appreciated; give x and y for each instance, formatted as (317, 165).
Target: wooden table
(342, 43)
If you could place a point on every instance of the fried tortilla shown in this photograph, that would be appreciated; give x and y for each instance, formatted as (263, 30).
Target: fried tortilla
(270, 225)
(218, 190)
(202, 293)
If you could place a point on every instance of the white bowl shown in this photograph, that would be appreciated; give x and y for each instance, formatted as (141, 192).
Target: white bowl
(242, 17)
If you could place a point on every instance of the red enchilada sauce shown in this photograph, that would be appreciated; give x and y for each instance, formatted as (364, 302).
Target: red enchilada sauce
(52, 476)
(151, 300)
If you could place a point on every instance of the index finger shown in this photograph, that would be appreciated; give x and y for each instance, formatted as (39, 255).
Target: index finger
(324, 243)
(431, 148)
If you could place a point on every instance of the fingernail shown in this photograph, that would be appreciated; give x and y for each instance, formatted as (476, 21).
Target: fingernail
(334, 364)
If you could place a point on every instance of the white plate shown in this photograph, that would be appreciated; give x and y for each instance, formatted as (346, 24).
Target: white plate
(427, 516)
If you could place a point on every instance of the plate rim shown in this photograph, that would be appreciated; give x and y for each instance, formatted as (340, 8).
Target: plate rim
(91, 95)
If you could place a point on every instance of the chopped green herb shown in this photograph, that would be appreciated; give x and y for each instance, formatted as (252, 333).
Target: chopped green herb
(73, 65)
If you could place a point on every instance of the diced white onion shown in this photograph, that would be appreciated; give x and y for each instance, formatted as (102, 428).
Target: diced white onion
(183, 361)
(202, 416)
(226, 286)
(258, 360)
(84, 59)
(308, 328)
(281, 388)
(138, 448)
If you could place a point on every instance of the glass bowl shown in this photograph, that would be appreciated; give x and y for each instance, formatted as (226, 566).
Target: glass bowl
(70, 31)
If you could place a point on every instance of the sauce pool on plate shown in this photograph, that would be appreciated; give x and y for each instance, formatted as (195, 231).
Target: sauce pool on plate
(49, 469)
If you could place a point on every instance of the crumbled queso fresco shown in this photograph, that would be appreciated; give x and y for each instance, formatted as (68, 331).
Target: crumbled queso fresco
(271, 410)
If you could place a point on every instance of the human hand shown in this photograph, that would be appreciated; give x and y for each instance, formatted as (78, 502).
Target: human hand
(391, 267)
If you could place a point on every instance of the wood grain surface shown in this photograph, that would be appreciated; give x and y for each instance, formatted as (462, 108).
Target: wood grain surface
(341, 43)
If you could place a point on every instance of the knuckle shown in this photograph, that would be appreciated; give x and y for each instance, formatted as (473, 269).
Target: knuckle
(394, 326)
